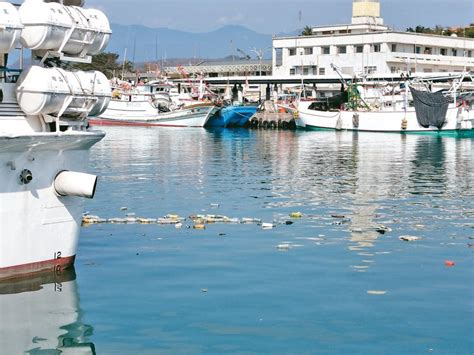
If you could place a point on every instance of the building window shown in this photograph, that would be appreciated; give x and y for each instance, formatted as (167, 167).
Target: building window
(370, 69)
(308, 51)
(322, 71)
(325, 50)
(417, 50)
(469, 54)
(292, 71)
(377, 48)
(359, 49)
(443, 51)
(394, 47)
(279, 56)
(454, 52)
(291, 51)
(305, 71)
(428, 50)
(341, 49)
(393, 70)
(315, 70)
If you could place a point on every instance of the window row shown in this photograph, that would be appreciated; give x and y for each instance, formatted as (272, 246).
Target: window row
(377, 47)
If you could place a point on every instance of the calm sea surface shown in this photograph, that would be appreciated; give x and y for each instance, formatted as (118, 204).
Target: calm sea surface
(331, 282)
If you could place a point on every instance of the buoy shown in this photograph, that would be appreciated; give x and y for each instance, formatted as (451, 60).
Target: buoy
(449, 263)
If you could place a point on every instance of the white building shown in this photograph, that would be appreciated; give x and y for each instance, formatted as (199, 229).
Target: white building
(367, 46)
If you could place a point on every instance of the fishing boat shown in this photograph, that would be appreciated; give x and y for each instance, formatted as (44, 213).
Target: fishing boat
(44, 135)
(410, 110)
(151, 105)
(233, 116)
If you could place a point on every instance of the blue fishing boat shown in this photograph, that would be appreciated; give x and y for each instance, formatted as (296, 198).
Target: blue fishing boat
(232, 116)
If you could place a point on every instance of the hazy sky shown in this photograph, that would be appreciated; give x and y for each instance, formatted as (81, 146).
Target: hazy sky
(274, 16)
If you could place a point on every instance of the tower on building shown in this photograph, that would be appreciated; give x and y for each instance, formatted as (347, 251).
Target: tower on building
(366, 11)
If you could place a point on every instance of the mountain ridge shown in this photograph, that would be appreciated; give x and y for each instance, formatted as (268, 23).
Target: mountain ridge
(145, 44)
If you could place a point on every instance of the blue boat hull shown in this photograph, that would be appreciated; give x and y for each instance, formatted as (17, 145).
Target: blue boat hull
(232, 116)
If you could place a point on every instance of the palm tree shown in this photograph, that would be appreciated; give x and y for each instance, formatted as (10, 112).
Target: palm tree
(307, 31)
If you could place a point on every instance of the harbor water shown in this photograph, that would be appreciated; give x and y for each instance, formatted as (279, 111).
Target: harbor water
(376, 257)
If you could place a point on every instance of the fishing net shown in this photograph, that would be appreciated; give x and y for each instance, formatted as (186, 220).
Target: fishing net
(430, 107)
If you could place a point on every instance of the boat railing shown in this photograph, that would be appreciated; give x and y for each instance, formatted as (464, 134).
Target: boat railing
(8, 75)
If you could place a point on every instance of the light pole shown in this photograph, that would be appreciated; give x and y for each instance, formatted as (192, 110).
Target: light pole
(259, 53)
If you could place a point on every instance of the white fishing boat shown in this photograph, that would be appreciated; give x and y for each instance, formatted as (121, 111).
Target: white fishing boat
(418, 111)
(44, 139)
(146, 107)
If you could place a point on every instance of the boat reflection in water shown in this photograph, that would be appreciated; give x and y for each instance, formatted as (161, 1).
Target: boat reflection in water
(372, 179)
(42, 315)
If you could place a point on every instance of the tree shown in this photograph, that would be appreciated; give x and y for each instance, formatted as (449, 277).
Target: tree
(107, 64)
(307, 31)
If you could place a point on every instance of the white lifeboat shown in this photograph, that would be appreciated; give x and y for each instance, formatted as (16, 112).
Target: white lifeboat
(54, 91)
(10, 27)
(68, 29)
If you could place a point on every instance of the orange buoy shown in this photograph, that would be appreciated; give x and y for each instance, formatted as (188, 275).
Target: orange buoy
(449, 263)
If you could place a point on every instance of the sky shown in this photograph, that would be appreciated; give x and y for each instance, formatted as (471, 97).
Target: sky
(278, 16)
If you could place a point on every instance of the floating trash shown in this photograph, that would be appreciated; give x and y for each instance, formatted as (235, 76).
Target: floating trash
(117, 220)
(296, 215)
(178, 225)
(376, 292)
(215, 205)
(409, 238)
(88, 219)
(383, 229)
(123, 208)
(199, 226)
(284, 246)
(268, 226)
(146, 220)
(449, 263)
(251, 220)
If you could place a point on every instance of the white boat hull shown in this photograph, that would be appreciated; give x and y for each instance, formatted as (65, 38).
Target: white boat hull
(457, 120)
(143, 113)
(38, 229)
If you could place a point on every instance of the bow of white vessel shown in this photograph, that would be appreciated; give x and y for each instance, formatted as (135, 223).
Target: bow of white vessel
(44, 134)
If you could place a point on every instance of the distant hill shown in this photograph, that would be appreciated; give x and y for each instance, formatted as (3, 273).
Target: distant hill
(149, 44)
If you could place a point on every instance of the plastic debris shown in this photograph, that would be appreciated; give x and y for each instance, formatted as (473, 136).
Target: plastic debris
(409, 238)
(268, 225)
(215, 205)
(123, 208)
(337, 215)
(146, 220)
(204, 290)
(178, 225)
(199, 226)
(289, 223)
(284, 246)
(89, 219)
(296, 215)
(383, 229)
(449, 263)
(117, 220)
(376, 292)
(251, 220)
(212, 218)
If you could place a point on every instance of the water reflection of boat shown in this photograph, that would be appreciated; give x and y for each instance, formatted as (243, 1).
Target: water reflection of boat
(42, 314)
(360, 172)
